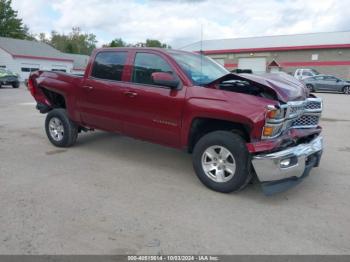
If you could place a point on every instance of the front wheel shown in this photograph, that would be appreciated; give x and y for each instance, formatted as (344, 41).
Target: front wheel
(15, 85)
(346, 90)
(222, 161)
(60, 130)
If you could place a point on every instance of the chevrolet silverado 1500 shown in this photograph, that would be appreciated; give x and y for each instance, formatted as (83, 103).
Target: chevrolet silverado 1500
(235, 125)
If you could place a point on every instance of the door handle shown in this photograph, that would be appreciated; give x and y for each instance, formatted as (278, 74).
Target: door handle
(89, 88)
(130, 94)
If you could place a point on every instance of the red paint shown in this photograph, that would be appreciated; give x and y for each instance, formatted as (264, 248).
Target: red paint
(158, 114)
(315, 63)
(280, 48)
(274, 64)
(231, 65)
(43, 58)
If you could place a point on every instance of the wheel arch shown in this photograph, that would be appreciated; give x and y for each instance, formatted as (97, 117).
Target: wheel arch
(201, 126)
(56, 99)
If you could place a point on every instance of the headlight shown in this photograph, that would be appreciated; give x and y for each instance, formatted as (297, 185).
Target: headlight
(274, 120)
(274, 113)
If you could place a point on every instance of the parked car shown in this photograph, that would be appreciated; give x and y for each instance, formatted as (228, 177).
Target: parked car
(327, 83)
(300, 74)
(235, 126)
(8, 78)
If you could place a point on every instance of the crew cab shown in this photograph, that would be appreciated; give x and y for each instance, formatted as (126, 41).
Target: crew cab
(236, 126)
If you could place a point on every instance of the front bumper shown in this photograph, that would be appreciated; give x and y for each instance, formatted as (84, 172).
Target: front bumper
(8, 80)
(275, 177)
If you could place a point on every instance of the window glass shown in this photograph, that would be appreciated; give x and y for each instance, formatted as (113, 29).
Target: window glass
(330, 78)
(109, 65)
(306, 73)
(200, 69)
(145, 64)
(29, 69)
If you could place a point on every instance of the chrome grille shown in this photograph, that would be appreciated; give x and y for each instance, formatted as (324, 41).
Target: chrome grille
(306, 121)
(313, 105)
(296, 109)
(304, 114)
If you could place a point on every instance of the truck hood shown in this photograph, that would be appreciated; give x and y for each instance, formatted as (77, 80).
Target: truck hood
(286, 87)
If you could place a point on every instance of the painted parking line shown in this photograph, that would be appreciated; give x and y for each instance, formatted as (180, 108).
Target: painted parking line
(27, 104)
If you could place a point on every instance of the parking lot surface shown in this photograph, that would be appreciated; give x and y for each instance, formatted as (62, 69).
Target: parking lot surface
(115, 195)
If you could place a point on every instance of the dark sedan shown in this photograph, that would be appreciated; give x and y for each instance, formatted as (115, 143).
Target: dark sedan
(8, 78)
(327, 83)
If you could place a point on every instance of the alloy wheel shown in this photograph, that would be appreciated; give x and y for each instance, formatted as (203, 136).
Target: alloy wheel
(218, 164)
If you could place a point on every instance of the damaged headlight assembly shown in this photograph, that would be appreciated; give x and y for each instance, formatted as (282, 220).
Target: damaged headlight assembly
(274, 120)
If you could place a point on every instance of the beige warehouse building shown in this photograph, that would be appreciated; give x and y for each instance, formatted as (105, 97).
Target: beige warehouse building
(328, 53)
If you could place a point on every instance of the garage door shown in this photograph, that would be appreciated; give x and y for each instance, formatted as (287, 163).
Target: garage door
(256, 64)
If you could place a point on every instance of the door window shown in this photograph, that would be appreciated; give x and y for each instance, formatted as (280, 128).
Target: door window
(331, 78)
(109, 65)
(319, 77)
(145, 64)
(306, 73)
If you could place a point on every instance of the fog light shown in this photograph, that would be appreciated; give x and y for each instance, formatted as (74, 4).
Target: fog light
(285, 162)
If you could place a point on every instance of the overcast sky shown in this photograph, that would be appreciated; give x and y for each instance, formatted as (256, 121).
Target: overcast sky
(178, 22)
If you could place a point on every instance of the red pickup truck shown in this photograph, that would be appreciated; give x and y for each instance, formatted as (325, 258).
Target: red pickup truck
(236, 126)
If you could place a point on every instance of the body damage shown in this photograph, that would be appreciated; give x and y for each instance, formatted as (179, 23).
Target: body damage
(199, 102)
(225, 105)
(236, 126)
(283, 89)
(61, 83)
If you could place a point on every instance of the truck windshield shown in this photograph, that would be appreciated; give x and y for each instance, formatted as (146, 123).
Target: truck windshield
(199, 68)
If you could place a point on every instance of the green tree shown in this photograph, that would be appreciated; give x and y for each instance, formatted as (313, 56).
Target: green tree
(10, 24)
(75, 42)
(156, 43)
(118, 42)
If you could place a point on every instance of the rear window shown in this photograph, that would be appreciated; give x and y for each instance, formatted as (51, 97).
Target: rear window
(109, 65)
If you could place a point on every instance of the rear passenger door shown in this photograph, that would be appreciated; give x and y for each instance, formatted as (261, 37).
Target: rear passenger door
(152, 112)
(101, 95)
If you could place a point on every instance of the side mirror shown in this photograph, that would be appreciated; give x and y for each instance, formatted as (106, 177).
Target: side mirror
(165, 79)
(338, 80)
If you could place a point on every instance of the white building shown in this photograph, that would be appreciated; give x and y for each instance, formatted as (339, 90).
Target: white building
(79, 63)
(24, 56)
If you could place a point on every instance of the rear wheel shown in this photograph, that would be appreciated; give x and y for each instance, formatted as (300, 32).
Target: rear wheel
(346, 90)
(222, 162)
(60, 130)
(15, 85)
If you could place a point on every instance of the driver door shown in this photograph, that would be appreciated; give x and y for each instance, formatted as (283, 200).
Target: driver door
(152, 112)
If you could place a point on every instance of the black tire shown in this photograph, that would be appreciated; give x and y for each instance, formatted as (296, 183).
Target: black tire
(15, 85)
(310, 87)
(70, 129)
(346, 90)
(237, 147)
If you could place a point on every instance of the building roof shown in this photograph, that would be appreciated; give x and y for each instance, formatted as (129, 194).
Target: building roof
(273, 43)
(79, 61)
(31, 49)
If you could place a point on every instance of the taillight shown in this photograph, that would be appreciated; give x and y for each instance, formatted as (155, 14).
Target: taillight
(31, 86)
